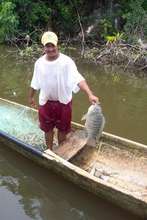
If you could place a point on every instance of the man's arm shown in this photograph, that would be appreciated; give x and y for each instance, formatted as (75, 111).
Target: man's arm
(84, 87)
(31, 99)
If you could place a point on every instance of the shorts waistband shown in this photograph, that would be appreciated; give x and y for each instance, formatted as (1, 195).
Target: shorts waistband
(53, 101)
(57, 102)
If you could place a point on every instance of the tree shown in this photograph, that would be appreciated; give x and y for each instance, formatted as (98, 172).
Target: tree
(8, 20)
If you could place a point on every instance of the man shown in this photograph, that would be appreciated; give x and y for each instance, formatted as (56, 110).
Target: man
(56, 76)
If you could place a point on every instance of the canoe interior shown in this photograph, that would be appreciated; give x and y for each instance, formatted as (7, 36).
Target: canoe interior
(122, 168)
(113, 162)
(21, 122)
(75, 142)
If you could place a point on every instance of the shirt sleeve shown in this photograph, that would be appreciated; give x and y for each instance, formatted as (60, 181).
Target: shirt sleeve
(35, 80)
(74, 77)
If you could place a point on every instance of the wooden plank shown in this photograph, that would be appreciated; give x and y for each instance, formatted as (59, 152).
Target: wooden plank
(74, 143)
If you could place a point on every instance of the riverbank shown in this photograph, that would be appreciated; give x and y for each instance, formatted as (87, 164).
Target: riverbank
(117, 56)
(126, 57)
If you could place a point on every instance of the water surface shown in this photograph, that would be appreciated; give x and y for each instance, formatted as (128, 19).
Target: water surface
(123, 98)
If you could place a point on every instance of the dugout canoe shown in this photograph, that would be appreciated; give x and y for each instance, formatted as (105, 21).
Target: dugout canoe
(115, 170)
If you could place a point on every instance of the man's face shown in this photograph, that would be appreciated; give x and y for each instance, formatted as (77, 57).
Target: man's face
(51, 51)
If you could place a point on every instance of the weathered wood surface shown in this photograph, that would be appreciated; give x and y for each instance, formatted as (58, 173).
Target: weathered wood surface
(74, 143)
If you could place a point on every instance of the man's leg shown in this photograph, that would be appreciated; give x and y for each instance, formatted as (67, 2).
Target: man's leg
(61, 136)
(49, 139)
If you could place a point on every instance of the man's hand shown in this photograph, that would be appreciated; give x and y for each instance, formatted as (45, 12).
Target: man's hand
(31, 99)
(32, 102)
(93, 99)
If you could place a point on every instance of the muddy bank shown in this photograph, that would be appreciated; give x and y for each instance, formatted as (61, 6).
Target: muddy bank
(125, 57)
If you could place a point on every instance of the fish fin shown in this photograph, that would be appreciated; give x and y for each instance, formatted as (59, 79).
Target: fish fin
(91, 142)
(84, 117)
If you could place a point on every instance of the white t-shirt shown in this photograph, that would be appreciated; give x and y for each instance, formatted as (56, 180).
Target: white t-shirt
(56, 79)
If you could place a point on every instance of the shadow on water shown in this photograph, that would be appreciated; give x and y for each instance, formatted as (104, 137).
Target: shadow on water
(32, 192)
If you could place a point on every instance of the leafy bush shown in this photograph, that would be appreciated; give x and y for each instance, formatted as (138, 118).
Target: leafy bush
(105, 27)
(136, 20)
(8, 20)
(19, 18)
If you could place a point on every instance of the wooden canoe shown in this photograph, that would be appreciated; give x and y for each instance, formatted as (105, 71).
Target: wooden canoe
(115, 170)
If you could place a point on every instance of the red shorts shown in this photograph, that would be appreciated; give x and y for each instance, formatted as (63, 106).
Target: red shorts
(55, 114)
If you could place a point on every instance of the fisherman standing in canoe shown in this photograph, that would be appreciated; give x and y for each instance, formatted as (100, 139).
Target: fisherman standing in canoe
(56, 76)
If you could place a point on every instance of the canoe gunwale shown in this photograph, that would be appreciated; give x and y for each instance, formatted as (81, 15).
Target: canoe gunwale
(120, 142)
(26, 147)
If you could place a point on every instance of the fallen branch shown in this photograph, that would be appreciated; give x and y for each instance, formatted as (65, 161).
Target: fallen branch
(142, 68)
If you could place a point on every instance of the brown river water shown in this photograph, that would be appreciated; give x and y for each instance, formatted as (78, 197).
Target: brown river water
(28, 191)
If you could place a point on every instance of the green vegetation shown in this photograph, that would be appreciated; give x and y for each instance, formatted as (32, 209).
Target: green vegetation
(9, 21)
(72, 18)
(108, 32)
(136, 20)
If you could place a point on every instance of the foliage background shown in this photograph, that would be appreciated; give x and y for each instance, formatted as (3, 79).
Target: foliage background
(71, 18)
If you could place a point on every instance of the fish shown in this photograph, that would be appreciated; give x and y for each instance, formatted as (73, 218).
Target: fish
(94, 124)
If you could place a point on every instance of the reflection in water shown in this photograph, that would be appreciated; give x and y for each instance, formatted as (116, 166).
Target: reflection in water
(36, 193)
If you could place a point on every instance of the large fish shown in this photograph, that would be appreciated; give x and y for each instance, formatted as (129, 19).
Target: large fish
(94, 124)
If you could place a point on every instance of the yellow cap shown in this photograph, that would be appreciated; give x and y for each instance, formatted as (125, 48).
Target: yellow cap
(49, 37)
